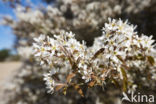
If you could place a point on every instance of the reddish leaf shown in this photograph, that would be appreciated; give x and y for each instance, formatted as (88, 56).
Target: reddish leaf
(98, 53)
(59, 87)
(120, 58)
(79, 90)
(69, 77)
(91, 84)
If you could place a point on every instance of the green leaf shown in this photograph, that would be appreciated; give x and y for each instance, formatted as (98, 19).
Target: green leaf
(98, 53)
(65, 90)
(151, 60)
(125, 80)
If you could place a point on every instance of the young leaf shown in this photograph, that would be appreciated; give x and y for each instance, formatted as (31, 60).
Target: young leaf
(69, 77)
(120, 58)
(59, 87)
(98, 52)
(65, 90)
(124, 79)
(151, 60)
(79, 90)
(91, 84)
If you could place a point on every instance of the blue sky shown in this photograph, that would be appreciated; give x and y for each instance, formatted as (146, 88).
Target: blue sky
(7, 38)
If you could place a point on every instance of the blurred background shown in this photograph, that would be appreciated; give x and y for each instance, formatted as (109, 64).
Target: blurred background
(22, 20)
(8, 38)
(9, 58)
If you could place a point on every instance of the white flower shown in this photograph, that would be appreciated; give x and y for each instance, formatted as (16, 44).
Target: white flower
(40, 39)
(50, 83)
(87, 75)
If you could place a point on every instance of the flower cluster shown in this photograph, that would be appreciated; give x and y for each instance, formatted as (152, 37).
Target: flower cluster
(115, 53)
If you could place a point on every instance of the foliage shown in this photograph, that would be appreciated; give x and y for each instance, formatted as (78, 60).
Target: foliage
(5, 53)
